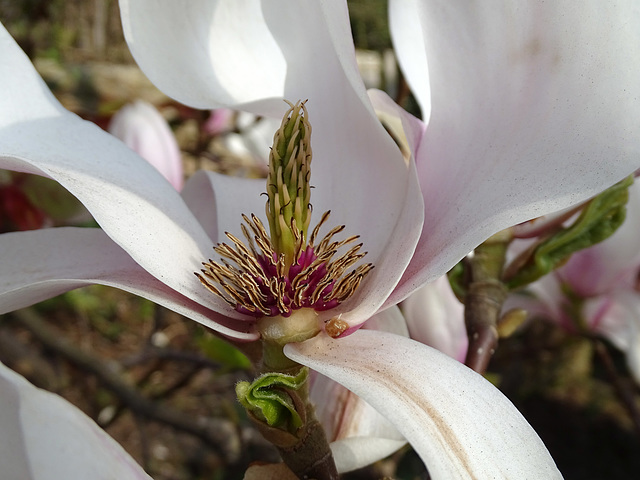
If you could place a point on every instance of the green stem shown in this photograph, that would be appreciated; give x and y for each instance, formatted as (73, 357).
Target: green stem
(304, 450)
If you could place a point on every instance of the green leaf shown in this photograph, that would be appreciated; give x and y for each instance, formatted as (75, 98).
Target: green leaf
(270, 398)
(598, 221)
(224, 353)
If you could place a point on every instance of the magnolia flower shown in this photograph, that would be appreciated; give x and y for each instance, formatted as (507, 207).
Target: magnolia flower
(141, 127)
(596, 291)
(529, 107)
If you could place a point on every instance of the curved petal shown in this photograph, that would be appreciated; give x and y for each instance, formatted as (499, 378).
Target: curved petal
(435, 317)
(208, 54)
(184, 49)
(41, 264)
(359, 435)
(460, 424)
(534, 106)
(134, 204)
(44, 437)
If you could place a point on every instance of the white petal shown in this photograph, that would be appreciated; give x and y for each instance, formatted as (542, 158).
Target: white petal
(209, 54)
(435, 317)
(460, 424)
(359, 435)
(206, 54)
(377, 183)
(41, 264)
(133, 203)
(534, 106)
(44, 437)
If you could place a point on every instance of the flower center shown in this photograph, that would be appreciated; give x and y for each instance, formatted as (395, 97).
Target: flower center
(274, 274)
(256, 281)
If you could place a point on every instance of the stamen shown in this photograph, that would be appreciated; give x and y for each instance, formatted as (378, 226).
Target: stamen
(273, 272)
(252, 279)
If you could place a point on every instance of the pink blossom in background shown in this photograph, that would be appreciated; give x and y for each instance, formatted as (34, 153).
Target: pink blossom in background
(141, 127)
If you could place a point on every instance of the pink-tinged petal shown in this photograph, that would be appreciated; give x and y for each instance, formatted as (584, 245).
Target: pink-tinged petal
(460, 424)
(543, 299)
(359, 435)
(141, 127)
(534, 106)
(44, 437)
(617, 318)
(435, 317)
(540, 225)
(41, 264)
(405, 128)
(132, 202)
(390, 258)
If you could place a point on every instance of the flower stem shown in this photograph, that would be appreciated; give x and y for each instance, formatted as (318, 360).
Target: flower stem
(484, 299)
(311, 457)
(302, 443)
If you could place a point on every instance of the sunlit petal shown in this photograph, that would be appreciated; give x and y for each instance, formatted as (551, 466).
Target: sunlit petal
(460, 424)
(356, 165)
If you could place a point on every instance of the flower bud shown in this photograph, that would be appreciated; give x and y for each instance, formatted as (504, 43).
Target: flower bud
(141, 127)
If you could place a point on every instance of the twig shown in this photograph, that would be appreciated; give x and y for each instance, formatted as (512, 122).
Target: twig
(484, 299)
(153, 353)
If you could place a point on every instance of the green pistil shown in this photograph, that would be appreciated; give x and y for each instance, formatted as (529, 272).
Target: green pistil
(288, 189)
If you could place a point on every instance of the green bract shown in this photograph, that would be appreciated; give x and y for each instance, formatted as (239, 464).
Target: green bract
(599, 220)
(270, 398)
